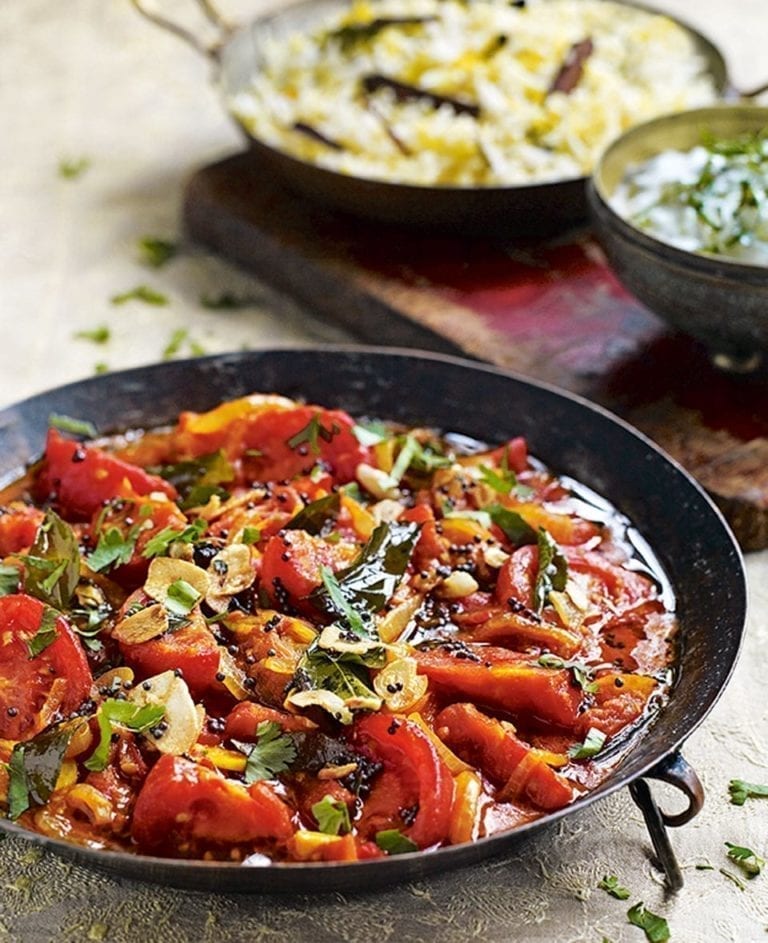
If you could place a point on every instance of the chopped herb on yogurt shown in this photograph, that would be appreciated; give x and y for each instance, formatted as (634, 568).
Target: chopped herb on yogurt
(712, 199)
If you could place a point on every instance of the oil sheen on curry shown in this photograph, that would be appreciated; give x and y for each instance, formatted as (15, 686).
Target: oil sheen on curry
(276, 632)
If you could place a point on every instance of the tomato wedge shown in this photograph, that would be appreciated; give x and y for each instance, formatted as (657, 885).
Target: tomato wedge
(37, 690)
(82, 477)
(415, 780)
(184, 805)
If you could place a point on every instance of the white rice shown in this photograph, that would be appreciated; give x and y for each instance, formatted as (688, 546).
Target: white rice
(642, 65)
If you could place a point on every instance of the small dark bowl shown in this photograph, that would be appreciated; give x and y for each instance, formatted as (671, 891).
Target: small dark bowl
(722, 303)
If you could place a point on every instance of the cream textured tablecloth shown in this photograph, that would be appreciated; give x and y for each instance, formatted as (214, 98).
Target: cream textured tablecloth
(89, 79)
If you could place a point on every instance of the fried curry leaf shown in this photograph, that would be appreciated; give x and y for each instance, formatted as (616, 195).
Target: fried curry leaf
(359, 623)
(53, 563)
(316, 516)
(197, 479)
(34, 767)
(368, 584)
(122, 714)
(552, 572)
(342, 675)
(273, 753)
(517, 531)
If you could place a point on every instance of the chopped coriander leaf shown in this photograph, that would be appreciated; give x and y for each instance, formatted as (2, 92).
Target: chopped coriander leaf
(749, 861)
(226, 301)
(72, 168)
(610, 884)
(272, 753)
(311, 433)
(78, 427)
(552, 571)
(156, 252)
(655, 927)
(114, 713)
(46, 633)
(98, 335)
(592, 745)
(141, 293)
(160, 543)
(10, 576)
(175, 343)
(581, 673)
(394, 842)
(112, 550)
(182, 598)
(332, 816)
(741, 791)
(250, 535)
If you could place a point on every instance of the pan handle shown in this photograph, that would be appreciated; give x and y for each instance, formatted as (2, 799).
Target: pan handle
(210, 51)
(675, 771)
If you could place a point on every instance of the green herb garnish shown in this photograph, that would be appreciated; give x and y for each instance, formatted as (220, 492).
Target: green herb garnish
(53, 563)
(113, 549)
(317, 516)
(157, 252)
(582, 674)
(749, 862)
(141, 293)
(592, 745)
(394, 842)
(250, 535)
(516, 530)
(656, 928)
(182, 598)
(332, 816)
(312, 433)
(97, 335)
(46, 633)
(78, 427)
(72, 168)
(272, 753)
(741, 791)
(610, 884)
(552, 572)
(160, 543)
(114, 713)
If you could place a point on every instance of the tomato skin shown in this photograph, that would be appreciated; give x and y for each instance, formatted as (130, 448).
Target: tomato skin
(18, 527)
(183, 804)
(484, 742)
(290, 568)
(192, 648)
(83, 477)
(36, 691)
(410, 759)
(517, 576)
(244, 719)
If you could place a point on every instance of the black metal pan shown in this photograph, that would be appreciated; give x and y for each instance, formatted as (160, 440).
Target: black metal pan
(687, 533)
(509, 210)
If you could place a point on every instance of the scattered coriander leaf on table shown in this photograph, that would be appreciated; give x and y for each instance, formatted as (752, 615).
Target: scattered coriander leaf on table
(72, 168)
(655, 927)
(749, 861)
(98, 335)
(741, 791)
(141, 293)
(610, 884)
(157, 252)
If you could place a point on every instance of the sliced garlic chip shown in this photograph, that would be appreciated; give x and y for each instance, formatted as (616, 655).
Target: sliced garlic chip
(399, 684)
(146, 624)
(458, 585)
(332, 639)
(182, 723)
(386, 510)
(230, 572)
(327, 700)
(377, 482)
(164, 571)
(394, 623)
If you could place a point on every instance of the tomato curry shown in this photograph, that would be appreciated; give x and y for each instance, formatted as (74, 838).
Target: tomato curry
(276, 632)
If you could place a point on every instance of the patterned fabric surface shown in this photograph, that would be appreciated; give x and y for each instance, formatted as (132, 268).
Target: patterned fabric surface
(89, 80)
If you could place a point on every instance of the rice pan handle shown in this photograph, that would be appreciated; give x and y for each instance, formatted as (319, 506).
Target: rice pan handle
(210, 51)
(677, 772)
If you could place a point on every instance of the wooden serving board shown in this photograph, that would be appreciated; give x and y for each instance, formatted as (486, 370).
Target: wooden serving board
(549, 310)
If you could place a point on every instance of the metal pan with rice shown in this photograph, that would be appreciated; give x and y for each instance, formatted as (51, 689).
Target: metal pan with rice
(482, 94)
